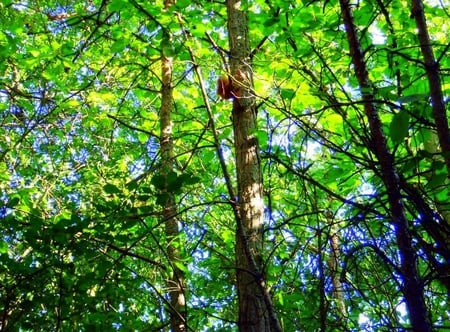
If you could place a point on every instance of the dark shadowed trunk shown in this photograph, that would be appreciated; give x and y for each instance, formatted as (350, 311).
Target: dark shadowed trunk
(434, 81)
(413, 288)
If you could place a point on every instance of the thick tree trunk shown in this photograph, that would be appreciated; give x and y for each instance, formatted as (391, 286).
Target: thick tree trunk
(255, 307)
(413, 288)
(175, 283)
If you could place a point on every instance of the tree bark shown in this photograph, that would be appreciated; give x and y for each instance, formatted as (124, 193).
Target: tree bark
(255, 307)
(333, 264)
(413, 288)
(175, 284)
(434, 81)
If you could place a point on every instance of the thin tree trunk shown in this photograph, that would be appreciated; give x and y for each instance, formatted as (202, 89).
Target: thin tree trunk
(443, 133)
(255, 307)
(333, 264)
(175, 283)
(434, 81)
(413, 288)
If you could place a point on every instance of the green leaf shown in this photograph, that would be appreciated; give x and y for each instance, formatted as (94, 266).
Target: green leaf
(174, 182)
(437, 179)
(159, 181)
(111, 189)
(116, 5)
(288, 93)
(187, 179)
(180, 266)
(271, 21)
(162, 199)
(3, 247)
(119, 45)
(13, 202)
(399, 126)
(132, 185)
(413, 98)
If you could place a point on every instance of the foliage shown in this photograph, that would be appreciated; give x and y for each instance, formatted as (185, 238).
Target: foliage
(82, 242)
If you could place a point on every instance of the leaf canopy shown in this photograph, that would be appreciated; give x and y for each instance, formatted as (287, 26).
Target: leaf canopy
(82, 245)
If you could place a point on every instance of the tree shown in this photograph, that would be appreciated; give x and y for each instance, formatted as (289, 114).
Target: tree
(412, 288)
(119, 206)
(175, 284)
(256, 312)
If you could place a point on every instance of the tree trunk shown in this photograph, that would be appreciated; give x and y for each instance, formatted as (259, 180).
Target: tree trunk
(175, 283)
(413, 288)
(255, 308)
(432, 69)
(333, 264)
(434, 81)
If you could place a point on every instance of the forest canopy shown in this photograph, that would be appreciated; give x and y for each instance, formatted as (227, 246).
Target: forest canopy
(224, 165)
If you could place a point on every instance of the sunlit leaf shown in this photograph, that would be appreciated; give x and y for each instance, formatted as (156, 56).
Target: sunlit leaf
(3, 247)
